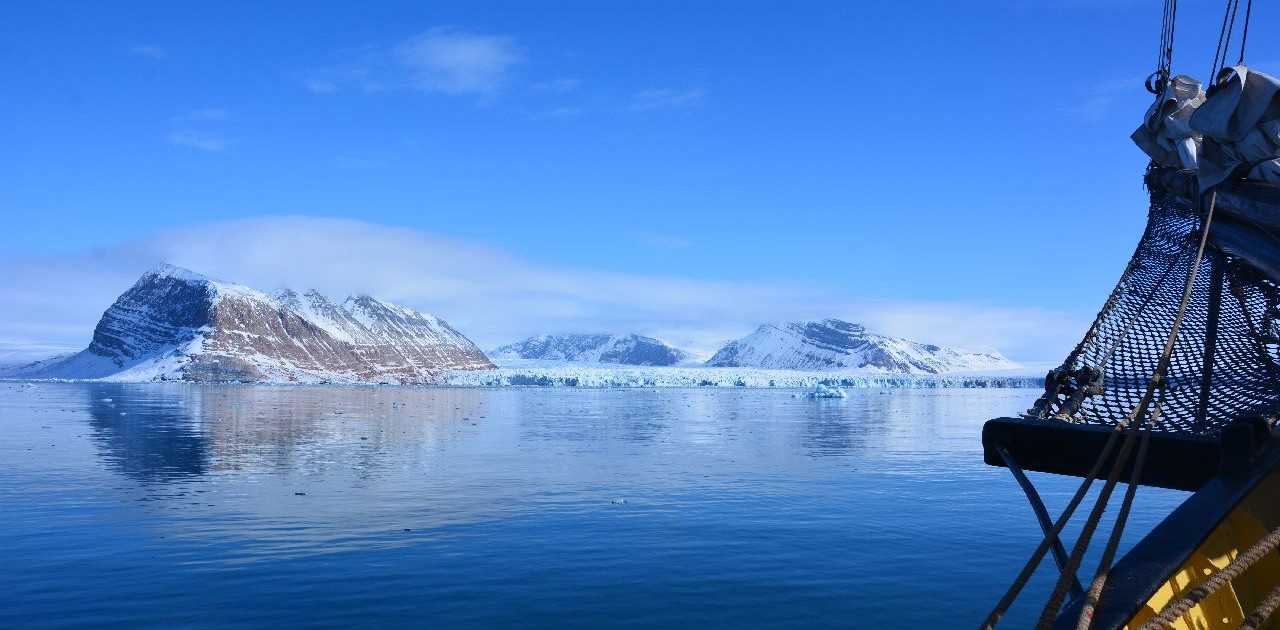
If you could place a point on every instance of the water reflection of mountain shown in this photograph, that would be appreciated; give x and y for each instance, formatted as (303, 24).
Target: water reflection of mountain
(167, 432)
(304, 470)
(146, 436)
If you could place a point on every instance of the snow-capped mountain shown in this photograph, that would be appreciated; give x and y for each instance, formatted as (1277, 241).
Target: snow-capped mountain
(624, 349)
(176, 324)
(833, 344)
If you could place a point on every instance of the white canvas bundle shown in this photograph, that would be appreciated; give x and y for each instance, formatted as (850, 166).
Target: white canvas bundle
(1240, 124)
(1166, 134)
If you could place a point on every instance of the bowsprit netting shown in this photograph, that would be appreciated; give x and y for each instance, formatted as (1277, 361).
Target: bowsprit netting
(1225, 365)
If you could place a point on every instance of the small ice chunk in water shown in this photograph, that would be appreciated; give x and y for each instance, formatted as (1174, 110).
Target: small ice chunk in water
(823, 391)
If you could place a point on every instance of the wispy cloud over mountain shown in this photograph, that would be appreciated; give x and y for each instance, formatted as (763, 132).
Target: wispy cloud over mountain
(492, 295)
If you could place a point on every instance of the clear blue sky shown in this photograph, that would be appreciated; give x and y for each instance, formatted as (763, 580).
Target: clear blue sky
(942, 151)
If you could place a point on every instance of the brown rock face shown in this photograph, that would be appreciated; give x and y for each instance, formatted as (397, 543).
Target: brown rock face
(257, 340)
(176, 324)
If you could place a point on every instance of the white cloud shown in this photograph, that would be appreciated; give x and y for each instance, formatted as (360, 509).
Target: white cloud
(667, 98)
(197, 140)
(146, 50)
(442, 60)
(457, 62)
(489, 294)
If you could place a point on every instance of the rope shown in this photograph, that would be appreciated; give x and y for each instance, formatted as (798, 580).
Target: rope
(1106, 358)
(1090, 335)
(1235, 6)
(1029, 568)
(1164, 51)
(1082, 543)
(1244, 355)
(1176, 609)
(1263, 611)
(1217, 53)
(1104, 565)
(1224, 35)
(1112, 300)
(1059, 593)
(1244, 33)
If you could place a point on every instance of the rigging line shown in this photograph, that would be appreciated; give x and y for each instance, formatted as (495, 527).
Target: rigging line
(1143, 307)
(1166, 41)
(1164, 36)
(1164, 49)
(1051, 537)
(1235, 5)
(1163, 366)
(1085, 622)
(1218, 52)
(1244, 32)
(1050, 610)
(1157, 382)
(1112, 303)
(1114, 298)
(1021, 581)
(1255, 335)
(1116, 293)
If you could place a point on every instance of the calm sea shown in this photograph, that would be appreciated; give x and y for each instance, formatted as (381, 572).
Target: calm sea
(170, 505)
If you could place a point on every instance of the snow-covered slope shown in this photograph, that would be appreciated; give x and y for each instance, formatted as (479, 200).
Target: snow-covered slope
(833, 344)
(623, 349)
(176, 324)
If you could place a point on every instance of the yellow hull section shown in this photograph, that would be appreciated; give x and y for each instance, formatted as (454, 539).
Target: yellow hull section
(1256, 516)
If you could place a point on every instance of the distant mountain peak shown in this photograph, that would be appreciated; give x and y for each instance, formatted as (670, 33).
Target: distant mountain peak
(829, 344)
(168, 270)
(625, 349)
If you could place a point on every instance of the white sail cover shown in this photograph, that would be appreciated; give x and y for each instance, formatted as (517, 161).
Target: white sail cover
(1235, 128)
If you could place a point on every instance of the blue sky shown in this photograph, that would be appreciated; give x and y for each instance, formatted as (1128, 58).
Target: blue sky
(956, 171)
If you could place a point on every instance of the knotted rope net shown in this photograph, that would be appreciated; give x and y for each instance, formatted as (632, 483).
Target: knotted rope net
(1225, 365)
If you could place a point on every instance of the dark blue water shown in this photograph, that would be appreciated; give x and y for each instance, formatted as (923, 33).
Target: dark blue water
(149, 506)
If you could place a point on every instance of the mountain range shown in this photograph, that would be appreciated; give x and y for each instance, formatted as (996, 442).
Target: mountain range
(174, 324)
(832, 344)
